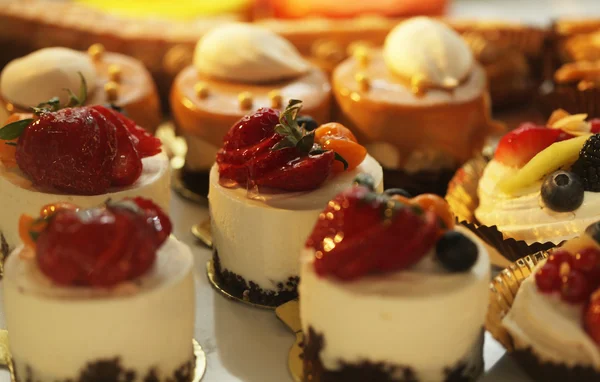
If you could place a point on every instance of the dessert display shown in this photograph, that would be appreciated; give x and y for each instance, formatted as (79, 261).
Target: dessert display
(421, 104)
(380, 271)
(554, 320)
(542, 186)
(239, 68)
(270, 183)
(111, 78)
(79, 154)
(106, 291)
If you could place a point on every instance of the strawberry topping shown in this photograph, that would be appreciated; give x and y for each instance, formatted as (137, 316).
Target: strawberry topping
(101, 247)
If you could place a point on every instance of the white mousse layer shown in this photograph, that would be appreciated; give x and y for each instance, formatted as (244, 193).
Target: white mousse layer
(551, 327)
(524, 216)
(18, 196)
(260, 239)
(423, 318)
(148, 323)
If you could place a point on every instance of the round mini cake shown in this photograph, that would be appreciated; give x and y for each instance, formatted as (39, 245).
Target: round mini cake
(41, 162)
(271, 181)
(421, 104)
(105, 291)
(389, 291)
(237, 69)
(111, 78)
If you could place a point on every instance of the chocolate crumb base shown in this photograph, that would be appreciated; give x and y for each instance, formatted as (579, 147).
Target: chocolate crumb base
(111, 370)
(552, 372)
(376, 371)
(422, 182)
(196, 181)
(4, 251)
(238, 287)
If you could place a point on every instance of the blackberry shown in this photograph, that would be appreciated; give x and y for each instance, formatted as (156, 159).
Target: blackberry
(588, 164)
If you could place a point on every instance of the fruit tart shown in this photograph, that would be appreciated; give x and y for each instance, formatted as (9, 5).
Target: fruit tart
(79, 154)
(542, 185)
(554, 321)
(111, 78)
(421, 104)
(106, 291)
(239, 68)
(381, 271)
(271, 181)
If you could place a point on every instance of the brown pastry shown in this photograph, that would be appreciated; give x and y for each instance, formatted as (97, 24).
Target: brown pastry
(421, 111)
(111, 78)
(238, 69)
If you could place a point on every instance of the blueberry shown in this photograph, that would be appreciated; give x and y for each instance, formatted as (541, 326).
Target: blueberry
(562, 191)
(594, 231)
(456, 252)
(398, 191)
(366, 180)
(309, 123)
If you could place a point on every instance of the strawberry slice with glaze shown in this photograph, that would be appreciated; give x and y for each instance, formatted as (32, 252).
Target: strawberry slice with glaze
(304, 173)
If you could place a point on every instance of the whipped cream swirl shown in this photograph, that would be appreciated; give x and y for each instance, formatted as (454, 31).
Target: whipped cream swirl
(242, 52)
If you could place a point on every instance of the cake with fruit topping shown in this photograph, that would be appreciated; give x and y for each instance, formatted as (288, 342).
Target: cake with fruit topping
(554, 321)
(239, 68)
(271, 181)
(542, 184)
(111, 79)
(390, 291)
(420, 104)
(80, 154)
(106, 291)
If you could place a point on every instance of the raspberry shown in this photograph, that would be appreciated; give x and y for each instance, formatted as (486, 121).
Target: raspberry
(575, 287)
(547, 278)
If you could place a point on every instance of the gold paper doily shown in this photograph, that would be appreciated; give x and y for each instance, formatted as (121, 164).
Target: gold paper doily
(214, 281)
(5, 360)
(202, 232)
(503, 290)
(289, 313)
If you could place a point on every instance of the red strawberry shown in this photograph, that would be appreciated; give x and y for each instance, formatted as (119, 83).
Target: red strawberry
(155, 217)
(595, 125)
(103, 246)
(71, 150)
(353, 237)
(252, 129)
(520, 145)
(304, 173)
(127, 166)
(591, 319)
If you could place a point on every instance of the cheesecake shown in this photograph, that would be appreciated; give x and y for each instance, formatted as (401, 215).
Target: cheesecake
(41, 161)
(119, 308)
(111, 78)
(380, 271)
(237, 69)
(270, 183)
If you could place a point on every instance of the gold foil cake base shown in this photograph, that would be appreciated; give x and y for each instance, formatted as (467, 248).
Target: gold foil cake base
(5, 359)
(215, 281)
(289, 313)
(202, 232)
(503, 290)
(180, 188)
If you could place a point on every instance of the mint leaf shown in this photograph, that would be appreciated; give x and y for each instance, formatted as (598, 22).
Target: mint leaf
(14, 130)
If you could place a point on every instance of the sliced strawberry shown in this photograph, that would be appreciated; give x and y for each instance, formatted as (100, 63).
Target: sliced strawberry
(251, 129)
(591, 319)
(243, 155)
(595, 125)
(127, 166)
(520, 145)
(304, 173)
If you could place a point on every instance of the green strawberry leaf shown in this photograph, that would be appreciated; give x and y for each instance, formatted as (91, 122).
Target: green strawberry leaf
(305, 144)
(14, 130)
(77, 100)
(283, 144)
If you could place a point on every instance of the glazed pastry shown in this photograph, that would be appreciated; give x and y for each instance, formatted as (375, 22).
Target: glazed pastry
(355, 8)
(554, 321)
(542, 184)
(271, 181)
(421, 107)
(105, 290)
(384, 271)
(41, 161)
(111, 78)
(237, 69)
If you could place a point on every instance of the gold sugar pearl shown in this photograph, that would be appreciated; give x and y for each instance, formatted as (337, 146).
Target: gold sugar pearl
(361, 52)
(363, 81)
(276, 99)
(112, 90)
(96, 51)
(245, 100)
(201, 90)
(114, 73)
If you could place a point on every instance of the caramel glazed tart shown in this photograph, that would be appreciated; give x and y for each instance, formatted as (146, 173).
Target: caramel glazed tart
(122, 81)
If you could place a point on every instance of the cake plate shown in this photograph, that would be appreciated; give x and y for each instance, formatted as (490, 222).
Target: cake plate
(6, 362)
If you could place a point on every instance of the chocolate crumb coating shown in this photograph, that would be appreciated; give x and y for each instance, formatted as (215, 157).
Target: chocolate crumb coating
(237, 286)
(552, 372)
(375, 371)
